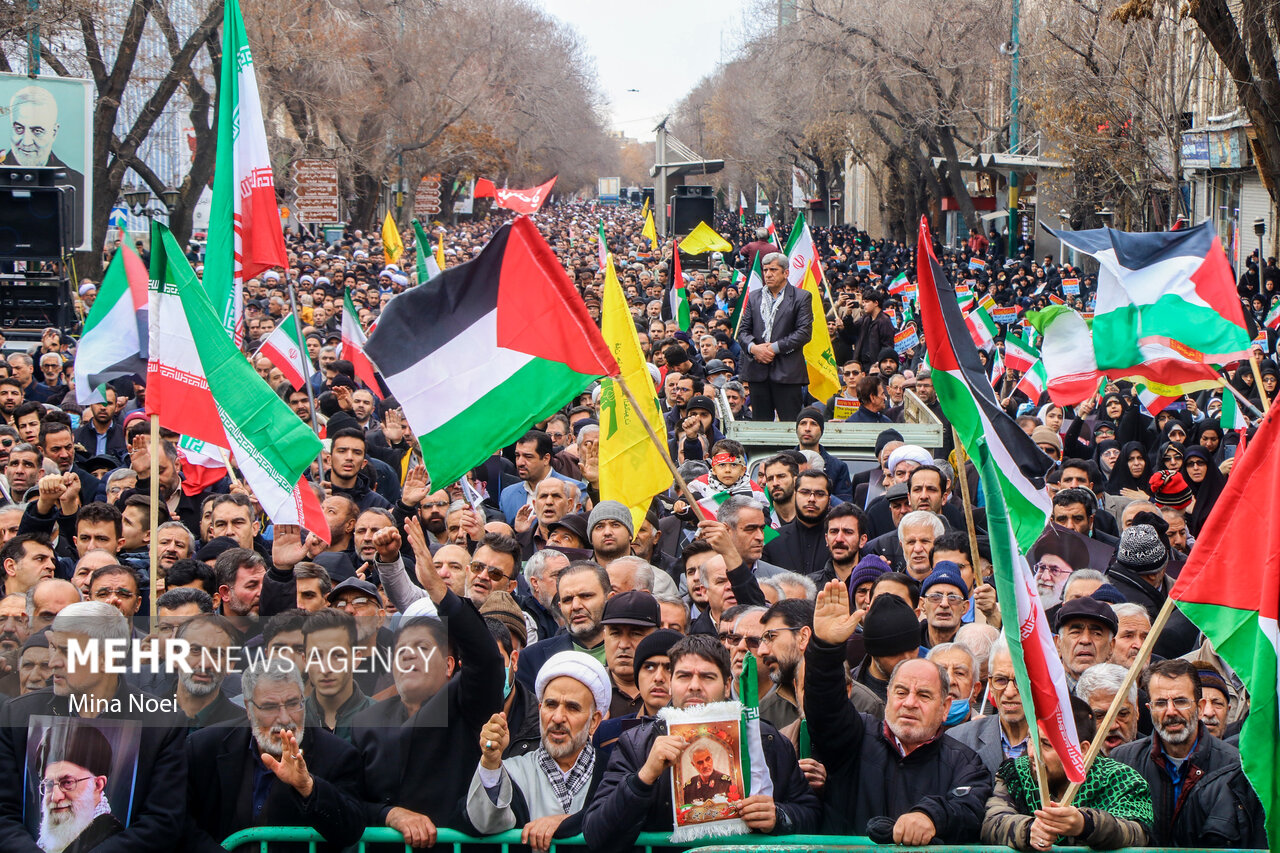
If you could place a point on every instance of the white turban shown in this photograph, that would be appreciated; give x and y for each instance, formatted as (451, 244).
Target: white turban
(909, 453)
(581, 667)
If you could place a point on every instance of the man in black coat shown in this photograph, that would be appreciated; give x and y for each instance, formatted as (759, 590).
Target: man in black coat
(873, 332)
(256, 775)
(901, 781)
(777, 322)
(635, 794)
(160, 783)
(801, 544)
(421, 746)
(1139, 571)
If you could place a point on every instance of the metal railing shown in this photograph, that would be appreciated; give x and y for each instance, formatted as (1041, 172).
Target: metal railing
(457, 842)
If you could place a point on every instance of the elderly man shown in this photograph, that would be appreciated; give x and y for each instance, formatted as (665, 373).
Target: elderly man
(777, 322)
(1086, 630)
(545, 790)
(635, 793)
(1134, 626)
(900, 781)
(629, 617)
(1201, 796)
(90, 688)
(33, 113)
(74, 765)
(1097, 687)
(553, 499)
(1003, 735)
(944, 599)
(911, 544)
(321, 790)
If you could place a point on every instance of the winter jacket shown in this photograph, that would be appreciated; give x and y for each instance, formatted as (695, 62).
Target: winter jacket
(364, 492)
(623, 806)
(799, 548)
(1217, 807)
(868, 777)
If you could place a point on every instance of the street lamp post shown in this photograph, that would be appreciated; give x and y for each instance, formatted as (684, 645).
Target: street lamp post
(1260, 228)
(1064, 219)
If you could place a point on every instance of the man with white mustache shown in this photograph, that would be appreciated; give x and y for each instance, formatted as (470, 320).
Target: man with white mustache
(73, 803)
(320, 789)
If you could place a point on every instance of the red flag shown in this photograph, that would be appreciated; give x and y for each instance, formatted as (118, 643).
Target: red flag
(524, 201)
(485, 188)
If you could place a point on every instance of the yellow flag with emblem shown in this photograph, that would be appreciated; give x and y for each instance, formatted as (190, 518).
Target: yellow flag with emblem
(631, 467)
(650, 231)
(819, 356)
(704, 239)
(392, 247)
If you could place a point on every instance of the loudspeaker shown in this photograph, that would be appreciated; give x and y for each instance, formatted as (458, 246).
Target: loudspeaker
(36, 223)
(688, 211)
(695, 191)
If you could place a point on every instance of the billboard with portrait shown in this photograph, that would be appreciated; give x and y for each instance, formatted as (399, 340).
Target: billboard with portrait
(47, 121)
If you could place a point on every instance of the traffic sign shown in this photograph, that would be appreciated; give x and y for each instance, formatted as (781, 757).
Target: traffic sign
(315, 188)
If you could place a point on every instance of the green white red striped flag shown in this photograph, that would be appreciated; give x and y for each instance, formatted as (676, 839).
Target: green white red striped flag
(1230, 589)
(1034, 382)
(245, 236)
(1012, 470)
(353, 346)
(1273, 316)
(201, 385)
(285, 349)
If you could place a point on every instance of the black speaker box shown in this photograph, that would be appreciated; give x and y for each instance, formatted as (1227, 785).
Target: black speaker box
(36, 223)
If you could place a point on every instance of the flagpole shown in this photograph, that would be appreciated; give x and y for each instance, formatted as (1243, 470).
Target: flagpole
(155, 517)
(961, 456)
(1229, 387)
(1121, 696)
(1257, 381)
(311, 397)
(657, 442)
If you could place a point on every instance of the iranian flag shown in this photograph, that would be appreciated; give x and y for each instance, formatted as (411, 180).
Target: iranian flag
(285, 349)
(770, 228)
(202, 465)
(755, 281)
(678, 295)
(1273, 316)
(982, 329)
(1019, 354)
(1230, 588)
(245, 238)
(1167, 307)
(804, 272)
(1012, 472)
(603, 247)
(114, 341)
(202, 386)
(354, 346)
(1231, 417)
(1034, 382)
(899, 285)
(997, 369)
(509, 343)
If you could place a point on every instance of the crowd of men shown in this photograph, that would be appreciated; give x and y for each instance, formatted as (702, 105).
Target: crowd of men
(501, 665)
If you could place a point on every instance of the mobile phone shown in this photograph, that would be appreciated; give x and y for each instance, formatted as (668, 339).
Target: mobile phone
(1229, 452)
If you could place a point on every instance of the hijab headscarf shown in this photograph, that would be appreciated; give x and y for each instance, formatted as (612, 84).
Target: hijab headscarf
(1206, 491)
(1121, 478)
(1176, 446)
(1103, 446)
(1214, 426)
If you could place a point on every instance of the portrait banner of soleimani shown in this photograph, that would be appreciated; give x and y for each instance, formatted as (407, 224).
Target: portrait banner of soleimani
(47, 121)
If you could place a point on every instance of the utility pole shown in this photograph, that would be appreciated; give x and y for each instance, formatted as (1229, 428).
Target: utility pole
(33, 40)
(1013, 127)
(660, 178)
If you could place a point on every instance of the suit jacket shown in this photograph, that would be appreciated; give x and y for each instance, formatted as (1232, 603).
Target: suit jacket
(220, 792)
(792, 329)
(983, 737)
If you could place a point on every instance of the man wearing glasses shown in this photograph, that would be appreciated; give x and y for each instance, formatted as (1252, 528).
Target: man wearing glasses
(944, 599)
(801, 544)
(117, 586)
(73, 807)
(1198, 787)
(1003, 735)
(301, 774)
(361, 599)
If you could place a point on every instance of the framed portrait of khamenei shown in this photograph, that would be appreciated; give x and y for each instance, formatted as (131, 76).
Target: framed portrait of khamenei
(47, 121)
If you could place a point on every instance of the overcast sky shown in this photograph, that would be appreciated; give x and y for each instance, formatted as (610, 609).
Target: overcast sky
(661, 48)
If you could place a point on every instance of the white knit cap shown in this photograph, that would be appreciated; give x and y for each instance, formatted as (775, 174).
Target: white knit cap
(909, 453)
(580, 666)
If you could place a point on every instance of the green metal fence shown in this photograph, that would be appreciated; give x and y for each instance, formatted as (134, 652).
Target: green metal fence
(457, 842)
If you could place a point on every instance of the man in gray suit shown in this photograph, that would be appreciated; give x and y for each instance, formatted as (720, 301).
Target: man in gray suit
(1003, 734)
(776, 325)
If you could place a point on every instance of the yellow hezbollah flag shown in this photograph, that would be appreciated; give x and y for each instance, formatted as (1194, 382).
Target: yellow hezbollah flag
(632, 469)
(644, 211)
(650, 231)
(819, 357)
(392, 248)
(704, 239)
(440, 252)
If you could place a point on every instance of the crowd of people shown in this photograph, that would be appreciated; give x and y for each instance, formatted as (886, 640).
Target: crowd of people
(502, 662)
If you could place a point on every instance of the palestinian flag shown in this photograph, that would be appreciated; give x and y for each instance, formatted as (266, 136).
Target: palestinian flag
(1167, 307)
(245, 236)
(202, 386)
(1273, 316)
(354, 346)
(1230, 588)
(1012, 472)
(678, 296)
(742, 208)
(508, 343)
(114, 341)
(709, 503)
(1019, 354)
(1034, 382)
(285, 349)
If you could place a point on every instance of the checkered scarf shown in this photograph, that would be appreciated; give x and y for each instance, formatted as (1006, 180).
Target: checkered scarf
(566, 786)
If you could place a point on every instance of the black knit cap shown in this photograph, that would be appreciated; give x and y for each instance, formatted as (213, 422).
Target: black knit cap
(890, 627)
